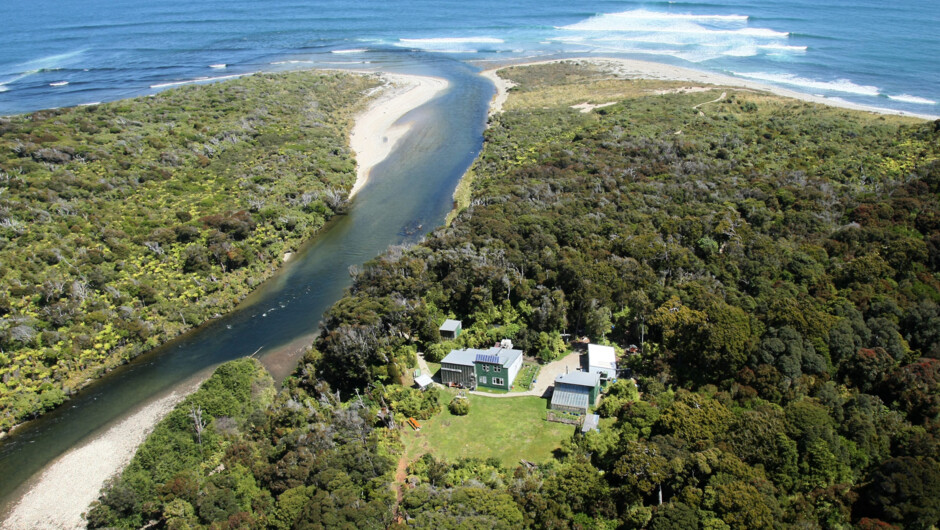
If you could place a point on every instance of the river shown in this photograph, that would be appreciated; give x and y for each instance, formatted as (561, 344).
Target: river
(408, 195)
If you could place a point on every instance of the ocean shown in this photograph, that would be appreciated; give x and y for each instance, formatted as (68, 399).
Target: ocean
(70, 52)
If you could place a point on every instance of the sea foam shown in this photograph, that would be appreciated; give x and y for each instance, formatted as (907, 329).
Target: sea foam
(907, 98)
(838, 85)
(448, 44)
(198, 80)
(692, 37)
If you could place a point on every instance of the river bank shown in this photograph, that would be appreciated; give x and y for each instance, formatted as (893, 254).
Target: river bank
(70, 484)
(83, 470)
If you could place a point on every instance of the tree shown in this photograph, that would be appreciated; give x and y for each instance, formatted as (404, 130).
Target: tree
(903, 490)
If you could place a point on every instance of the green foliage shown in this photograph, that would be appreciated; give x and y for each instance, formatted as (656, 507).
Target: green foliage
(459, 406)
(125, 224)
(261, 461)
(411, 402)
(777, 260)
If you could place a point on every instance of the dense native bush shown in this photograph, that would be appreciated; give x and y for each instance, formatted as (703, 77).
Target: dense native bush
(127, 223)
(776, 262)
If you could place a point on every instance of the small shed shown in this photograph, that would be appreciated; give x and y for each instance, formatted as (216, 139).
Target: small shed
(424, 381)
(450, 329)
(575, 392)
(602, 360)
(591, 423)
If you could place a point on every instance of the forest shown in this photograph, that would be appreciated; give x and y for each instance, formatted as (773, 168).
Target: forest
(125, 224)
(776, 261)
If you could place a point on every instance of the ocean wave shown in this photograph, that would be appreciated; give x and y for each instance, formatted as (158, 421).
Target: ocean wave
(448, 44)
(452, 40)
(641, 20)
(907, 98)
(292, 62)
(50, 62)
(220, 65)
(59, 83)
(3, 88)
(697, 37)
(782, 48)
(352, 50)
(198, 80)
(839, 85)
(645, 15)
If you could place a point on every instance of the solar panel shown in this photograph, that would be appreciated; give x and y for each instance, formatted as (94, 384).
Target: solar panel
(483, 358)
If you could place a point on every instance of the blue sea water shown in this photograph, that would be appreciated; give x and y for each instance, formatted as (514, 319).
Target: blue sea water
(71, 52)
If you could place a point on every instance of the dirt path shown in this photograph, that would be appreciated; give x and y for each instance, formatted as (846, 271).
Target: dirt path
(716, 100)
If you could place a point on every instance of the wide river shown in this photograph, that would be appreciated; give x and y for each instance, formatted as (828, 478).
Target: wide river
(408, 195)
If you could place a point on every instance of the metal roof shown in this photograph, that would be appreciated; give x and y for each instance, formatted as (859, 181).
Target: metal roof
(469, 356)
(424, 380)
(570, 397)
(602, 356)
(461, 357)
(586, 379)
(450, 325)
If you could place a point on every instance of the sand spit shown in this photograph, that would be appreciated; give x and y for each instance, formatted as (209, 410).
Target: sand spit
(635, 69)
(502, 90)
(379, 127)
(69, 485)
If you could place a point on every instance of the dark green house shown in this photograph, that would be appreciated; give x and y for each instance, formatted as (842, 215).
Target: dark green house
(493, 368)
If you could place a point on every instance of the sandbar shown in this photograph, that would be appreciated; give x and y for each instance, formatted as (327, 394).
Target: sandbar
(379, 128)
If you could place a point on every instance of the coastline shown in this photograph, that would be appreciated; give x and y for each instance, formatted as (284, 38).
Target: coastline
(378, 130)
(637, 69)
(83, 470)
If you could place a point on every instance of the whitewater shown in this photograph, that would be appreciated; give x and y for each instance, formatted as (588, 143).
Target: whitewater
(65, 54)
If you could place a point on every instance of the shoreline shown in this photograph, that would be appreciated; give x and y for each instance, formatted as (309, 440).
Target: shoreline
(637, 69)
(83, 470)
(378, 129)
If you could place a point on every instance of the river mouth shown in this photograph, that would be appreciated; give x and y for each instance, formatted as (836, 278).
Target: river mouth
(408, 195)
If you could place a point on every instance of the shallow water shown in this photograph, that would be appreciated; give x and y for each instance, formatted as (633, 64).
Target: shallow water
(412, 187)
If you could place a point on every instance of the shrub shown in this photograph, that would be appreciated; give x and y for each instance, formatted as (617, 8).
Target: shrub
(459, 406)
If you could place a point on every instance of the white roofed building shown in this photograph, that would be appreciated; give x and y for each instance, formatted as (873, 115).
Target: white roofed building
(602, 360)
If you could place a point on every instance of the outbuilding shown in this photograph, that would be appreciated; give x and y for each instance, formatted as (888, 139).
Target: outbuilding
(450, 329)
(602, 360)
(576, 392)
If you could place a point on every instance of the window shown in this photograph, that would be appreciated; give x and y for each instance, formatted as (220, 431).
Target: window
(497, 369)
(483, 380)
(486, 368)
(498, 381)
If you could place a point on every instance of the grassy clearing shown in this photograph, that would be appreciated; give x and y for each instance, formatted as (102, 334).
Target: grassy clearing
(506, 429)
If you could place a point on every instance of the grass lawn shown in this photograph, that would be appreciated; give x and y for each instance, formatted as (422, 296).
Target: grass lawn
(434, 367)
(508, 429)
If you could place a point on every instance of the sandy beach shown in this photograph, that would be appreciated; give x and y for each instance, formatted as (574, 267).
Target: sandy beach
(379, 127)
(635, 69)
(57, 499)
